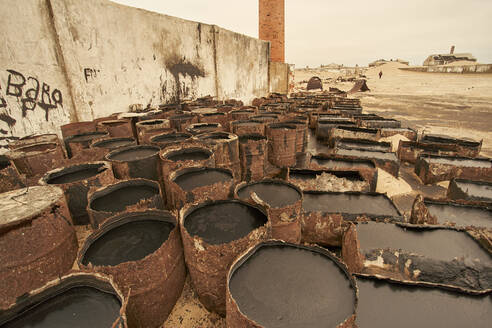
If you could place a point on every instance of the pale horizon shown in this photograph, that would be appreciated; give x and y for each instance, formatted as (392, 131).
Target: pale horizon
(321, 33)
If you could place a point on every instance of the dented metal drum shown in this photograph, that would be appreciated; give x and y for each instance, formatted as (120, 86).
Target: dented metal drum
(37, 240)
(214, 234)
(143, 253)
(276, 284)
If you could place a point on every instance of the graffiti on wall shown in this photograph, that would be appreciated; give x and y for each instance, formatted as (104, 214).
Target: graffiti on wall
(31, 93)
(91, 74)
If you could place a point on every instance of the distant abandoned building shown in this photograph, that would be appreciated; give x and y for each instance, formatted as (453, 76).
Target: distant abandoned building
(443, 59)
(380, 62)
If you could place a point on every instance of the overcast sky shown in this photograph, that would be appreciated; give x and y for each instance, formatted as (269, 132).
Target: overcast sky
(356, 31)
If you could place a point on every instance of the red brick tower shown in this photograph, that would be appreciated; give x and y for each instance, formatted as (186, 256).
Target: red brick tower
(272, 27)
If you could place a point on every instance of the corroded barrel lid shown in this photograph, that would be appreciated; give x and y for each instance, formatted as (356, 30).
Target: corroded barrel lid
(25, 204)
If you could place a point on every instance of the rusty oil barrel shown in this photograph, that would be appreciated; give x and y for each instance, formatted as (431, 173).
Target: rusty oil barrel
(75, 144)
(218, 117)
(75, 128)
(143, 253)
(199, 128)
(132, 162)
(111, 144)
(34, 139)
(181, 121)
(168, 139)
(301, 134)
(123, 196)
(76, 180)
(242, 114)
(278, 284)
(37, 240)
(252, 156)
(117, 128)
(36, 159)
(199, 184)
(185, 155)
(281, 200)
(214, 234)
(149, 128)
(225, 146)
(281, 144)
(79, 299)
(250, 126)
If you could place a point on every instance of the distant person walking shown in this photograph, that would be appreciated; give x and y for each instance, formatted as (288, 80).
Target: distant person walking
(380, 74)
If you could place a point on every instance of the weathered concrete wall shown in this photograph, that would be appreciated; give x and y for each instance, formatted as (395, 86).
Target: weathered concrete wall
(72, 60)
(279, 77)
(118, 55)
(464, 69)
(242, 66)
(34, 94)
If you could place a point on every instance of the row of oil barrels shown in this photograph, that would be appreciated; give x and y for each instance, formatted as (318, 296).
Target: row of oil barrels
(145, 251)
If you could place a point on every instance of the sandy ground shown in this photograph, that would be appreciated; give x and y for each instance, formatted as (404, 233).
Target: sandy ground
(458, 105)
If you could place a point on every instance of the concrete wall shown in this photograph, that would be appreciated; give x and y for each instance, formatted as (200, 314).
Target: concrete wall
(72, 60)
(279, 77)
(464, 69)
(34, 94)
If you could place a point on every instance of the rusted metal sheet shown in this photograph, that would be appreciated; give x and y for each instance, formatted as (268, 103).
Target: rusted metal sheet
(432, 169)
(36, 159)
(409, 151)
(155, 282)
(436, 255)
(465, 147)
(387, 161)
(10, 179)
(37, 240)
(213, 191)
(281, 144)
(136, 162)
(325, 126)
(76, 181)
(123, 196)
(237, 319)
(469, 190)
(225, 146)
(409, 133)
(208, 263)
(325, 225)
(380, 123)
(57, 287)
(365, 167)
(363, 144)
(353, 133)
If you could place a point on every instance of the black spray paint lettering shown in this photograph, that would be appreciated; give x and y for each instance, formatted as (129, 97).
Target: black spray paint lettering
(36, 95)
(91, 73)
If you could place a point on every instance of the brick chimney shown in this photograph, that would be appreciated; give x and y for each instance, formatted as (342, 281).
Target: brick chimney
(452, 50)
(272, 27)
